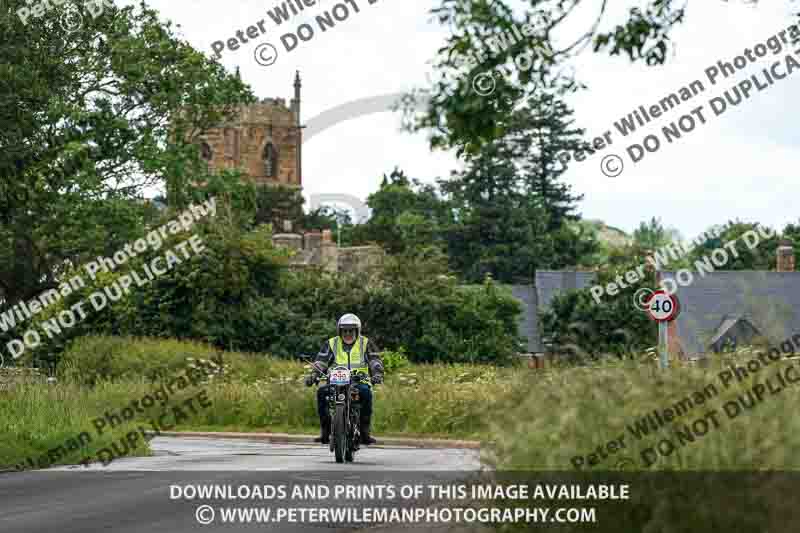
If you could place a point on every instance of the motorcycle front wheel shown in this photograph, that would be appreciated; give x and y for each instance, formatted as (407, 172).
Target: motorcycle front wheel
(340, 433)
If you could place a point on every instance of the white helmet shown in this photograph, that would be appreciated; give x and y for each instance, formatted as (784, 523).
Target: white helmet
(349, 321)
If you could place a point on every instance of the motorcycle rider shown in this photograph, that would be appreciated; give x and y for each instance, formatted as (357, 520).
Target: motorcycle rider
(351, 349)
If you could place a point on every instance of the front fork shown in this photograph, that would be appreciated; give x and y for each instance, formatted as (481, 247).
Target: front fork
(355, 416)
(352, 402)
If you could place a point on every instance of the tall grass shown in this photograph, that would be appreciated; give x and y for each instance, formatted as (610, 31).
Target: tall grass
(36, 418)
(247, 393)
(567, 413)
(529, 420)
(732, 477)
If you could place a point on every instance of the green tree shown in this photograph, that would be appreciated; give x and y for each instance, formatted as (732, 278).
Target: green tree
(326, 217)
(498, 229)
(761, 257)
(580, 326)
(542, 129)
(652, 235)
(89, 120)
(513, 214)
(459, 117)
(405, 213)
(337, 220)
(278, 204)
(212, 296)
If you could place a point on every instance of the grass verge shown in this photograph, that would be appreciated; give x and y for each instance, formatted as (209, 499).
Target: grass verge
(708, 419)
(101, 377)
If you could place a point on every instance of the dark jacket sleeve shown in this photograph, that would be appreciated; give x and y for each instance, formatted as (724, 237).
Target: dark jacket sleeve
(323, 360)
(374, 359)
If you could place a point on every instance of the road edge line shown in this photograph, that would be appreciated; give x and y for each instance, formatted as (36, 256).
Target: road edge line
(286, 438)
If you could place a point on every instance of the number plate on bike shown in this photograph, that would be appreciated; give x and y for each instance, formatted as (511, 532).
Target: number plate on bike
(340, 376)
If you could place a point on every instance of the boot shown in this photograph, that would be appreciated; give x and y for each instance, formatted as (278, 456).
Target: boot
(325, 431)
(366, 439)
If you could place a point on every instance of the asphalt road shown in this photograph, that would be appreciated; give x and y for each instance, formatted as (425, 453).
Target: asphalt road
(141, 494)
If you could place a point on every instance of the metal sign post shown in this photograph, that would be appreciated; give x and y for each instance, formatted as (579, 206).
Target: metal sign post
(663, 308)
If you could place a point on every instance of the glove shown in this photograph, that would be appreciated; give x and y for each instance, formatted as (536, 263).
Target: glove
(310, 380)
(377, 379)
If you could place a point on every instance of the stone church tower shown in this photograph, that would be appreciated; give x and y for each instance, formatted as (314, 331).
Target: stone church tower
(264, 141)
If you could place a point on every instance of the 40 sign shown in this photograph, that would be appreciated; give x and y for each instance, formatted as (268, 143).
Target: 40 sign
(662, 307)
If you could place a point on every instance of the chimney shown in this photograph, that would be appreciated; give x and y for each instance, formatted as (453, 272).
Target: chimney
(313, 240)
(785, 257)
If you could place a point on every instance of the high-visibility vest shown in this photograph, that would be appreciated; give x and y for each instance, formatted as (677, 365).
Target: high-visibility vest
(356, 360)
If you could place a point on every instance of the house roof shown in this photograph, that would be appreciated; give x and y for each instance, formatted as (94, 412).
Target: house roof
(551, 282)
(770, 301)
(536, 298)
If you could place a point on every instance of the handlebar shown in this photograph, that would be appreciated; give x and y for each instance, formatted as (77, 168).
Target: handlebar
(357, 377)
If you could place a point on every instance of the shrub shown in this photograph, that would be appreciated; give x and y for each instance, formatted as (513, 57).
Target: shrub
(411, 301)
(238, 295)
(98, 359)
(586, 329)
(394, 359)
(209, 297)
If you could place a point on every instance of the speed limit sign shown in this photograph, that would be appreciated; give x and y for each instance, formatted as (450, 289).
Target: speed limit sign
(662, 307)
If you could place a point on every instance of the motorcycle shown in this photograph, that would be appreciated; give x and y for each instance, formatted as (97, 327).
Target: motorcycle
(344, 405)
(345, 410)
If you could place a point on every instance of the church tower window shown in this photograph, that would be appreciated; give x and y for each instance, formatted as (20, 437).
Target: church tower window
(205, 152)
(270, 160)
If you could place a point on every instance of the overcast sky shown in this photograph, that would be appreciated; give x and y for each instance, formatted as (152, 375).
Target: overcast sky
(742, 164)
